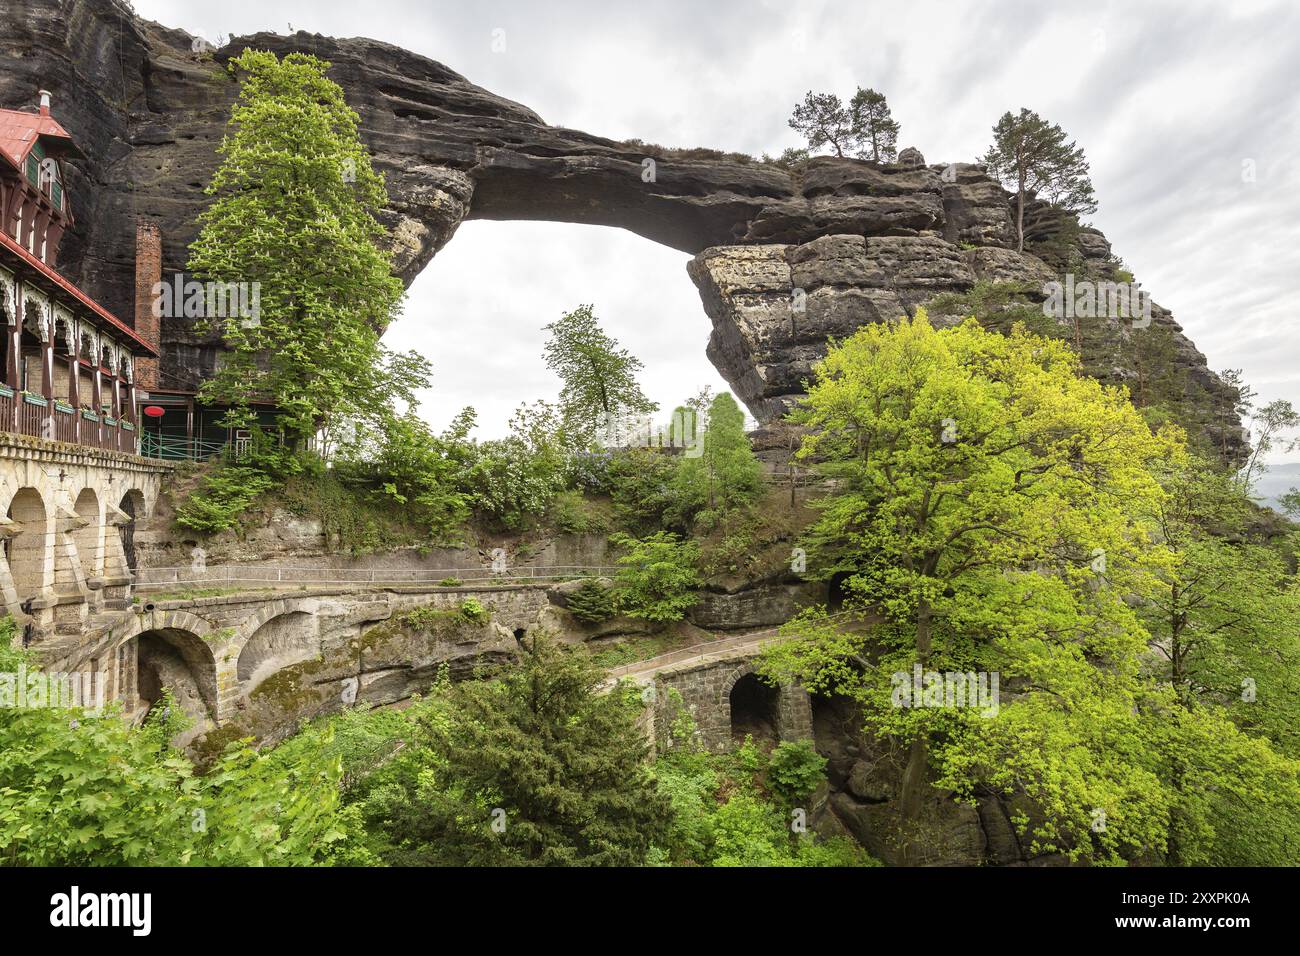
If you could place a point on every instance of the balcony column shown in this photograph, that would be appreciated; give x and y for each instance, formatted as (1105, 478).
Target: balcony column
(97, 359)
(74, 377)
(47, 372)
(13, 370)
(132, 410)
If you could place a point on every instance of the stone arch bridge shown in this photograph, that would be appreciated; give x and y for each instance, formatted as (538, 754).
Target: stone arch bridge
(718, 685)
(215, 651)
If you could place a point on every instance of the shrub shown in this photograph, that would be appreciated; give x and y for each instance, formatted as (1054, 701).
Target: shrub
(472, 610)
(795, 770)
(592, 603)
(657, 576)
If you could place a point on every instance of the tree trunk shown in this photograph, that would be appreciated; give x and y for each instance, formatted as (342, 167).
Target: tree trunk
(1020, 220)
(914, 784)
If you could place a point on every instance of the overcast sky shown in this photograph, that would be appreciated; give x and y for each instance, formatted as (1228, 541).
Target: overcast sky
(1188, 112)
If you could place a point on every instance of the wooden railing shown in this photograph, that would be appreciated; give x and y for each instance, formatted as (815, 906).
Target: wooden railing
(60, 422)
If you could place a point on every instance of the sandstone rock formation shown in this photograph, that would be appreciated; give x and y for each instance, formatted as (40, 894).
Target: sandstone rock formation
(861, 241)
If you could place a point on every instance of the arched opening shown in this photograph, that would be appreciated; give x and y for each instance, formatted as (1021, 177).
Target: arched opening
(88, 538)
(554, 268)
(179, 660)
(754, 709)
(26, 550)
(838, 591)
(284, 640)
(132, 506)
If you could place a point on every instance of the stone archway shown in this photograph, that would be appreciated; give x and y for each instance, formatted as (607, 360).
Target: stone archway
(133, 506)
(27, 550)
(286, 639)
(176, 659)
(90, 536)
(754, 707)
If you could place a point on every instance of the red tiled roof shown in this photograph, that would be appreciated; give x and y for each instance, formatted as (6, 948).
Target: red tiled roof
(19, 131)
(139, 345)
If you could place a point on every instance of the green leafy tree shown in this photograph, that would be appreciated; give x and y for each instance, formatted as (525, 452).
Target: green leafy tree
(294, 206)
(599, 378)
(514, 479)
(872, 124)
(645, 491)
(80, 790)
(657, 575)
(1270, 427)
(864, 129)
(795, 770)
(822, 119)
(726, 477)
(1224, 614)
(406, 464)
(536, 768)
(977, 480)
(1031, 156)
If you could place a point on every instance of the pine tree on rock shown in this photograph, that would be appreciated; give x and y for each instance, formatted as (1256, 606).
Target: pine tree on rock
(1033, 157)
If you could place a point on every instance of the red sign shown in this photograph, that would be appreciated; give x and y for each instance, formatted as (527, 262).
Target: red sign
(154, 411)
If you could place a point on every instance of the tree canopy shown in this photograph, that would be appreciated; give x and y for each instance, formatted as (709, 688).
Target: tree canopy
(864, 128)
(294, 212)
(599, 378)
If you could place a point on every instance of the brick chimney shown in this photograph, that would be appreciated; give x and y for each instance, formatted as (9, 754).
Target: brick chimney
(148, 271)
(45, 102)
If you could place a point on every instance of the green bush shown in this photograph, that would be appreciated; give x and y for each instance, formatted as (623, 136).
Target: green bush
(657, 576)
(223, 496)
(472, 610)
(592, 603)
(795, 770)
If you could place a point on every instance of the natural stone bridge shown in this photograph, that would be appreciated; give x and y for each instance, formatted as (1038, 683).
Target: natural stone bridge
(784, 257)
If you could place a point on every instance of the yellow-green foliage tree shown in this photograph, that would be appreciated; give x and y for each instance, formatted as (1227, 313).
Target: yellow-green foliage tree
(990, 508)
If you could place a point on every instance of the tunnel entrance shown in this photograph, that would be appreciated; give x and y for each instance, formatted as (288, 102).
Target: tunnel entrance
(838, 591)
(754, 709)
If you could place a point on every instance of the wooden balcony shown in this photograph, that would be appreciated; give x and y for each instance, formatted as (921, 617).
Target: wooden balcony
(57, 421)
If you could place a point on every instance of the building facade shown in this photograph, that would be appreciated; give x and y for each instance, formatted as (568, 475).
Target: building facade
(69, 364)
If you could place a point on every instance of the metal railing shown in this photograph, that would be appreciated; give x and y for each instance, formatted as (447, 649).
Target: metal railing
(174, 447)
(687, 655)
(232, 575)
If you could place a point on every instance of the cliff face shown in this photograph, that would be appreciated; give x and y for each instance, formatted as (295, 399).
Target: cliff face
(861, 242)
